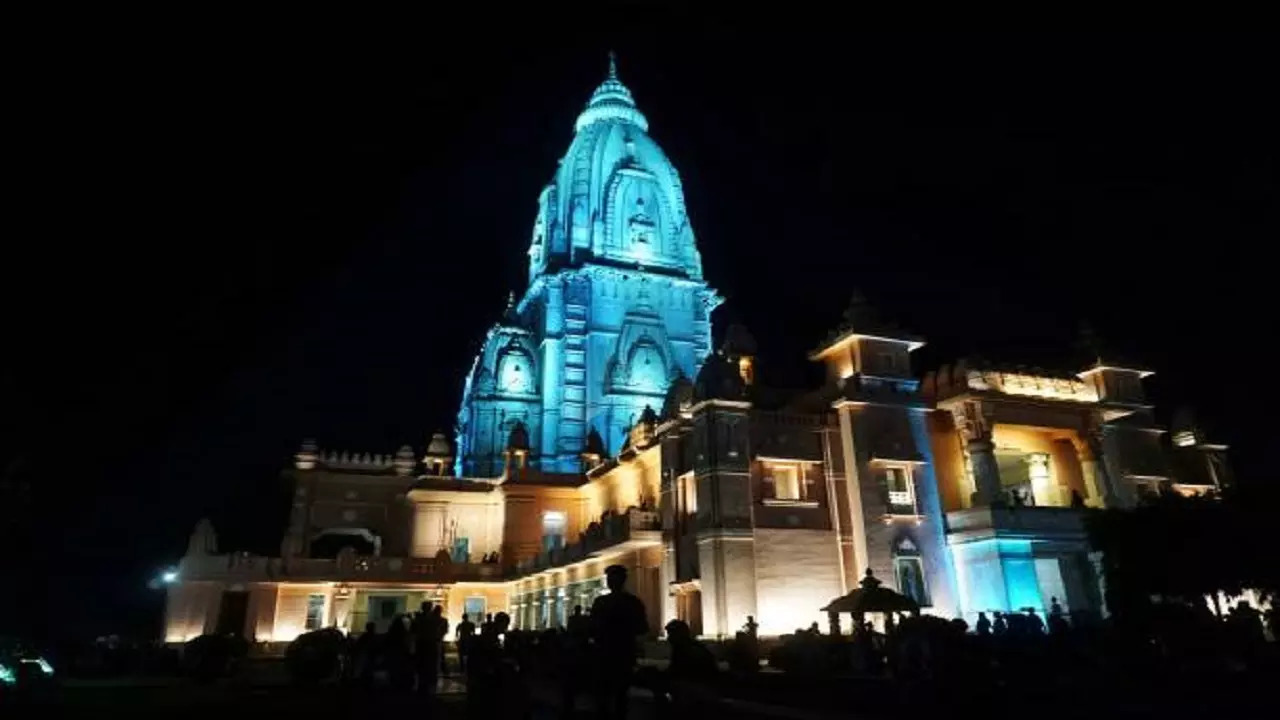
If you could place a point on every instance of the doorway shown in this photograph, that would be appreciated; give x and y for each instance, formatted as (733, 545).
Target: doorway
(232, 613)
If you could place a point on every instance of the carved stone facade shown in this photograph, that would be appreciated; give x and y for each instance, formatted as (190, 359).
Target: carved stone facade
(598, 428)
(615, 310)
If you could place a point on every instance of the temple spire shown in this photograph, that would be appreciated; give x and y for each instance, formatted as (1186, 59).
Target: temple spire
(613, 65)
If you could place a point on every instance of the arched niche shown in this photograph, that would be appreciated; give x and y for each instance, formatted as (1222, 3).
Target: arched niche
(514, 371)
(638, 226)
(646, 368)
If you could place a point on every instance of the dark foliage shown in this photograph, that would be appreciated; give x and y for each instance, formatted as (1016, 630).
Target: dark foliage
(209, 657)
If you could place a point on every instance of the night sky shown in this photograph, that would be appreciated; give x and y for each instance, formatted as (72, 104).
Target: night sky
(222, 246)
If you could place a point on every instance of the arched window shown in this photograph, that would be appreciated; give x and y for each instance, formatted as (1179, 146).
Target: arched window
(909, 571)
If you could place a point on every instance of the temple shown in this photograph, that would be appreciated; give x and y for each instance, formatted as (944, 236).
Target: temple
(615, 309)
(598, 427)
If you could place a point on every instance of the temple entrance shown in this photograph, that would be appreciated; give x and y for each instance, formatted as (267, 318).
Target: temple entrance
(232, 613)
(689, 609)
(382, 609)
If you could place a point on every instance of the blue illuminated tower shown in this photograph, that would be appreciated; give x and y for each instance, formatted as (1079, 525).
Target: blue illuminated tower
(615, 310)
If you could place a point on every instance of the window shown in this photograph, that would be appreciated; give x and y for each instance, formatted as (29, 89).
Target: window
(897, 481)
(910, 575)
(554, 524)
(315, 612)
(474, 608)
(787, 480)
(461, 551)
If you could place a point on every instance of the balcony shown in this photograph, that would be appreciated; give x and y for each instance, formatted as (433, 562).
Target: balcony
(243, 568)
(1041, 523)
(617, 533)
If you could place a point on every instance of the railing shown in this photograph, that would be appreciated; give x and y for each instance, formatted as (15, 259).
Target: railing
(255, 568)
(900, 498)
(1017, 521)
(609, 531)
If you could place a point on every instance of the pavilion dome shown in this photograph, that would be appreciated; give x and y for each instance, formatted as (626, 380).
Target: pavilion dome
(439, 445)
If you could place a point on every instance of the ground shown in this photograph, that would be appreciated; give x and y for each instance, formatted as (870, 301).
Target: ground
(231, 701)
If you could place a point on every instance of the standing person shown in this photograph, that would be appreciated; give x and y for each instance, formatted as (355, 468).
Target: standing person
(426, 637)
(494, 689)
(984, 624)
(575, 660)
(999, 627)
(464, 635)
(364, 656)
(616, 619)
(441, 624)
(577, 625)
(395, 654)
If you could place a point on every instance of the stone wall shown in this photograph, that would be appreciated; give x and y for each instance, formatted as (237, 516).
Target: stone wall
(797, 573)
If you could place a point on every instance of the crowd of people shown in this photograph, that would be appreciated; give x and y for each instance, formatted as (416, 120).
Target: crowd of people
(594, 656)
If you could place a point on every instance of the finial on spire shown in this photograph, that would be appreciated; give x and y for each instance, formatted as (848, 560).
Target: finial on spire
(613, 65)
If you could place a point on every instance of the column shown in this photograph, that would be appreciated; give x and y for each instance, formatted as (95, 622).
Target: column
(1104, 484)
(857, 524)
(974, 422)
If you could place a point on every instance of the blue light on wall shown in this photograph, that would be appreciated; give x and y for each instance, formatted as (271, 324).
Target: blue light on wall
(996, 574)
(616, 307)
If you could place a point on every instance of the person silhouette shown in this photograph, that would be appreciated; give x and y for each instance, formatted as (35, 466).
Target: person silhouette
(490, 680)
(577, 625)
(617, 619)
(690, 673)
(983, 624)
(364, 655)
(442, 631)
(426, 638)
(395, 653)
(1057, 618)
(464, 635)
(1035, 626)
(574, 661)
(1000, 626)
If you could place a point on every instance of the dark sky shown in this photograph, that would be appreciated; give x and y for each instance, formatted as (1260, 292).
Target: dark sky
(223, 245)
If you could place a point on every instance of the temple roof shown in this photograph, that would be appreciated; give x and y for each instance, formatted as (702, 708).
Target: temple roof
(611, 101)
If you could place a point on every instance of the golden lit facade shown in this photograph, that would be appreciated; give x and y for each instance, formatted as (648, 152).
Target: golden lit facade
(964, 489)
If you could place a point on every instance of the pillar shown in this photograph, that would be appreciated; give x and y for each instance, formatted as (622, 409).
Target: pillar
(857, 524)
(974, 422)
(986, 473)
(1104, 480)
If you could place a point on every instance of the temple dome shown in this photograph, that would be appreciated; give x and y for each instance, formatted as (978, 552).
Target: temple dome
(615, 196)
(611, 101)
